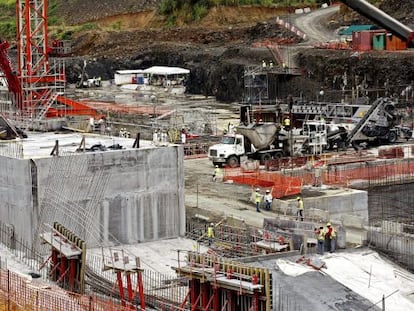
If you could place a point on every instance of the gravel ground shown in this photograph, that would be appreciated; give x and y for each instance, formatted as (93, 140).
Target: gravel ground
(218, 199)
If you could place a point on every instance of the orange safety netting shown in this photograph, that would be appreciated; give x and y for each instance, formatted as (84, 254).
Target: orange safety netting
(282, 185)
(279, 184)
(368, 172)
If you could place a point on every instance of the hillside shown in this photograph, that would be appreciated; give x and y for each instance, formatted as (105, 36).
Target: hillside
(128, 34)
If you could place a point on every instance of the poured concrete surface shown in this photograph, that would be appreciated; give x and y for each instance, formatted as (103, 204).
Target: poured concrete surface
(159, 256)
(322, 204)
(354, 279)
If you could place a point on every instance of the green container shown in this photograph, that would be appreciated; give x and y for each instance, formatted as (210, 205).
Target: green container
(378, 41)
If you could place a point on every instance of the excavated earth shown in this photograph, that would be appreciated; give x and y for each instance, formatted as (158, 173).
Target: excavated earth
(217, 48)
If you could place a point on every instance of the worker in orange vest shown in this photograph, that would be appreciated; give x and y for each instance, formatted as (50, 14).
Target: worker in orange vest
(331, 237)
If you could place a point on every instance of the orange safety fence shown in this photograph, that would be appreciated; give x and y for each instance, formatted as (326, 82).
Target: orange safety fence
(279, 184)
(290, 182)
(344, 175)
(368, 172)
(18, 293)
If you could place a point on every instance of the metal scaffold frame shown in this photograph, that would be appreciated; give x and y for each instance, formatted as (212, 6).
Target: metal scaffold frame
(41, 83)
(217, 283)
(255, 84)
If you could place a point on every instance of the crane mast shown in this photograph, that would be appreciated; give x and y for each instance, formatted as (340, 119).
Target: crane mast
(41, 82)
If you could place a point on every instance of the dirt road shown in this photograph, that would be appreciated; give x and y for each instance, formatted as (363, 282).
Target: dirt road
(218, 199)
(313, 25)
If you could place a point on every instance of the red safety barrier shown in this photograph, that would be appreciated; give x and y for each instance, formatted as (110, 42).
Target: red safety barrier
(279, 184)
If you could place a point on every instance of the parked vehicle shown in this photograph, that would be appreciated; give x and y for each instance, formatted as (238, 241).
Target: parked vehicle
(266, 141)
(380, 125)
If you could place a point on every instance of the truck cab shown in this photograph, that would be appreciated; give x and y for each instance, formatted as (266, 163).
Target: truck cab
(228, 151)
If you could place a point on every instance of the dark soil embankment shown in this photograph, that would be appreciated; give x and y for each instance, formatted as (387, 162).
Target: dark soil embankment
(217, 49)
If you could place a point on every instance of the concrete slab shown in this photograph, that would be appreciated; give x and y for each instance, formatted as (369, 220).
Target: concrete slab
(40, 145)
(353, 279)
(159, 256)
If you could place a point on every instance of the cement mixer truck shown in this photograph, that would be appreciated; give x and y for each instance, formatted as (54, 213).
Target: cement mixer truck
(266, 141)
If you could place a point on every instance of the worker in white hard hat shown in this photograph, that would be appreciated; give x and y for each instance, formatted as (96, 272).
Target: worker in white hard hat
(300, 208)
(217, 174)
(268, 200)
(330, 237)
(257, 199)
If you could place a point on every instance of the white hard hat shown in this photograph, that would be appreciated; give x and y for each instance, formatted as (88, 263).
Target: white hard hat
(257, 189)
(267, 190)
(216, 165)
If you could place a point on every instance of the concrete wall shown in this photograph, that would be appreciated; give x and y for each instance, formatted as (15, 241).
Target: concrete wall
(333, 206)
(127, 196)
(16, 193)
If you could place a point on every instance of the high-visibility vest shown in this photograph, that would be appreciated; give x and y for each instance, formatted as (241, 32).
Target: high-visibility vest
(210, 232)
(332, 232)
(258, 197)
(321, 235)
(217, 172)
(300, 205)
(286, 122)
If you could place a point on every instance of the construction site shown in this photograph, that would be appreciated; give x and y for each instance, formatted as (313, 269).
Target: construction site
(158, 202)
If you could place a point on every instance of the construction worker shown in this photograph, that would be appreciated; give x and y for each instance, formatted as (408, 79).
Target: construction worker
(210, 234)
(257, 199)
(183, 136)
(300, 208)
(268, 200)
(218, 174)
(330, 237)
(286, 123)
(231, 128)
(320, 236)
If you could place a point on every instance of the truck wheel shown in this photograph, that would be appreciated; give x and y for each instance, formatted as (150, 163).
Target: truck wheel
(341, 145)
(357, 145)
(265, 157)
(278, 155)
(233, 161)
(392, 137)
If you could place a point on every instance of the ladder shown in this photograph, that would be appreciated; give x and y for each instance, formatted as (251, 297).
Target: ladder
(51, 97)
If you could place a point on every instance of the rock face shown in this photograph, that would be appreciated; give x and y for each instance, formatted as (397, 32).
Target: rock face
(222, 74)
(217, 49)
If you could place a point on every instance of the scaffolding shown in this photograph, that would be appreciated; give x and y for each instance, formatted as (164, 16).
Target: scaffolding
(255, 85)
(41, 80)
(220, 284)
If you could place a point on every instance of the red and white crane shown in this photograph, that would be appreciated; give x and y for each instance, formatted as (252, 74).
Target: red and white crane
(38, 84)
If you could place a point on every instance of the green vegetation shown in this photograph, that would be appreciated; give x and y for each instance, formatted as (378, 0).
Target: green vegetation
(7, 20)
(8, 17)
(193, 10)
(176, 10)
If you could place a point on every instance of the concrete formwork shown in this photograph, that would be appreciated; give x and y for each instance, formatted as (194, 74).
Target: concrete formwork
(128, 195)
